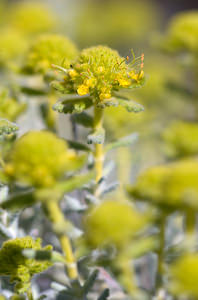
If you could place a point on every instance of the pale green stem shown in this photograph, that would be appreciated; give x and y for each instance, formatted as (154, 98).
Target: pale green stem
(56, 216)
(99, 152)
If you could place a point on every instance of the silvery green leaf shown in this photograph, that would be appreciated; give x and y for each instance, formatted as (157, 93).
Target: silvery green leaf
(73, 104)
(96, 137)
(108, 102)
(105, 295)
(57, 286)
(83, 119)
(123, 142)
(19, 200)
(5, 232)
(131, 106)
(89, 198)
(73, 204)
(109, 188)
(90, 282)
(78, 146)
(40, 255)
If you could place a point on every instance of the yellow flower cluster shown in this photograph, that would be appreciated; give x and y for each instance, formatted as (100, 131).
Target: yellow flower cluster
(99, 71)
(15, 265)
(184, 276)
(181, 139)
(112, 222)
(40, 159)
(174, 185)
(50, 49)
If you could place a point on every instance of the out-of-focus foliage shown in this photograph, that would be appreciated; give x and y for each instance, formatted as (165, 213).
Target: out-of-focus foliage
(31, 17)
(174, 185)
(181, 139)
(13, 46)
(10, 108)
(115, 23)
(182, 33)
(30, 160)
(19, 268)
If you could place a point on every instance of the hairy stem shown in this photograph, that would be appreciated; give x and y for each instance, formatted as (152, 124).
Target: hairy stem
(98, 153)
(57, 218)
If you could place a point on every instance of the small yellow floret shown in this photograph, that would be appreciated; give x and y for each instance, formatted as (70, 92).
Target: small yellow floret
(83, 90)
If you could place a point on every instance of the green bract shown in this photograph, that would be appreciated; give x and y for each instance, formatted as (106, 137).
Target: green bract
(99, 72)
(50, 49)
(174, 185)
(181, 139)
(15, 265)
(112, 222)
(40, 159)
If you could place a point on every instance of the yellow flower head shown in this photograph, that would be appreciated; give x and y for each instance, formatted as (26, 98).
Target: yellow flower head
(184, 276)
(19, 268)
(174, 185)
(181, 139)
(50, 49)
(112, 222)
(99, 71)
(40, 159)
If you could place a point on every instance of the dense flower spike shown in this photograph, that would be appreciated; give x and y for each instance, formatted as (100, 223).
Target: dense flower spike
(50, 49)
(181, 139)
(39, 158)
(174, 185)
(19, 268)
(112, 222)
(184, 276)
(99, 71)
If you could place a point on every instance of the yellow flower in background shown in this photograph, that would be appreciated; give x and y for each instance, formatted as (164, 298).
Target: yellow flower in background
(31, 18)
(184, 276)
(39, 158)
(181, 139)
(174, 185)
(182, 33)
(50, 49)
(13, 46)
(112, 222)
